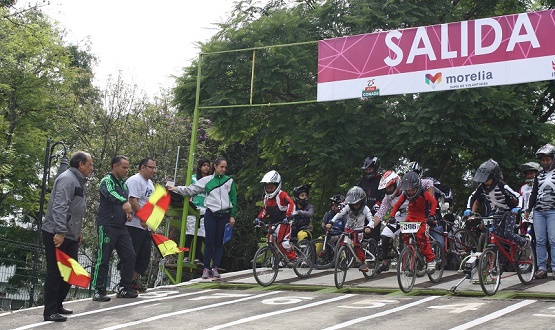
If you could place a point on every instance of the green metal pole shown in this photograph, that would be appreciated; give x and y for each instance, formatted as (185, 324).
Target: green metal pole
(192, 151)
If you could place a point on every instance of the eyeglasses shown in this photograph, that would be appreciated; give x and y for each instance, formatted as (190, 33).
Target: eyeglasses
(151, 167)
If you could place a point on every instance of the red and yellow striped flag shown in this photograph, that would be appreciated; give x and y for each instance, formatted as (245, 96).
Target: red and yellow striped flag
(166, 245)
(153, 212)
(71, 270)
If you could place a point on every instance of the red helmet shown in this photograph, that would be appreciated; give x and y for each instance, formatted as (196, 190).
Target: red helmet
(389, 178)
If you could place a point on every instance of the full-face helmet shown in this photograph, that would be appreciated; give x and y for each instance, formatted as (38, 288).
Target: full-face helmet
(415, 167)
(488, 170)
(530, 167)
(411, 181)
(389, 179)
(297, 192)
(371, 162)
(271, 177)
(356, 198)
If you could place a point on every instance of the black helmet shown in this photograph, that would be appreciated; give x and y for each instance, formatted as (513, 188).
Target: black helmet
(298, 190)
(488, 170)
(337, 199)
(371, 161)
(410, 181)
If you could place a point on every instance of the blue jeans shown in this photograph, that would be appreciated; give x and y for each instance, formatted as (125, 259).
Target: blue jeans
(544, 228)
(214, 227)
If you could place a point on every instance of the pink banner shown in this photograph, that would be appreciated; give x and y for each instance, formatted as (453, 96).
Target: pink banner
(431, 48)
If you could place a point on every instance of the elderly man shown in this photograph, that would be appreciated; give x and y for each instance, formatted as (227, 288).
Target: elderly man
(62, 229)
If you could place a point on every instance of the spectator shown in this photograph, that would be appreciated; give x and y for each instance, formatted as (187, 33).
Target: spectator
(114, 210)
(203, 169)
(62, 229)
(542, 202)
(221, 207)
(140, 188)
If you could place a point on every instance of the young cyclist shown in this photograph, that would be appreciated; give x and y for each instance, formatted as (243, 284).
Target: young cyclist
(278, 208)
(530, 170)
(390, 184)
(359, 220)
(336, 203)
(302, 216)
(421, 208)
(501, 199)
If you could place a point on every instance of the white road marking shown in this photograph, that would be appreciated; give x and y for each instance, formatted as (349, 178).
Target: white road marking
(260, 316)
(393, 310)
(493, 315)
(35, 325)
(185, 311)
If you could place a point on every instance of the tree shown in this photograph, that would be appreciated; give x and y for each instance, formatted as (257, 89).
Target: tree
(450, 132)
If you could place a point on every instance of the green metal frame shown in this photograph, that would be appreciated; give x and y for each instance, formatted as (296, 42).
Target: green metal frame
(187, 210)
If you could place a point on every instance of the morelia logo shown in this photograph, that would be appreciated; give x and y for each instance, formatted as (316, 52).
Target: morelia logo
(433, 80)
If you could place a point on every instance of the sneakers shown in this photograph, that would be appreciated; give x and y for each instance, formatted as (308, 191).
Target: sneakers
(215, 273)
(542, 273)
(292, 263)
(124, 292)
(198, 263)
(98, 296)
(431, 267)
(137, 287)
(205, 274)
(363, 267)
(382, 268)
(186, 259)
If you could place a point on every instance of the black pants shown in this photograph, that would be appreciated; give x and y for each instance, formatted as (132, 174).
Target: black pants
(110, 238)
(55, 288)
(142, 244)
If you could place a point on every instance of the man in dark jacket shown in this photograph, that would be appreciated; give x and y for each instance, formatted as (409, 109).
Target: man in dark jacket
(62, 229)
(113, 212)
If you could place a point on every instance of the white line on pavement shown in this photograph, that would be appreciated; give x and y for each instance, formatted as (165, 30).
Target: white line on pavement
(257, 317)
(493, 315)
(393, 310)
(134, 303)
(185, 311)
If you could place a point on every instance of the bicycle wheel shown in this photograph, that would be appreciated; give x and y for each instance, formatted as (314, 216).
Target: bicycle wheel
(436, 276)
(323, 256)
(406, 272)
(525, 266)
(303, 267)
(341, 266)
(372, 259)
(265, 265)
(464, 242)
(420, 267)
(489, 271)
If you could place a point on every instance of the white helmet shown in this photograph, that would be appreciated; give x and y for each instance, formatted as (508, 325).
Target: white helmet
(272, 177)
(389, 178)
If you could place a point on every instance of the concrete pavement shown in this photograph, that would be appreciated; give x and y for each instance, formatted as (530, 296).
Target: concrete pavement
(386, 283)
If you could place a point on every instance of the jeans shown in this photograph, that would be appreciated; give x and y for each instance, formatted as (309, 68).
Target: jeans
(544, 228)
(214, 226)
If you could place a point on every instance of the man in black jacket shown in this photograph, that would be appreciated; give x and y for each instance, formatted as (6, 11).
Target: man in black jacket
(113, 212)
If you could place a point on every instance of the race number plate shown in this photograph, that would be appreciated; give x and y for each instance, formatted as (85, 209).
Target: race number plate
(409, 227)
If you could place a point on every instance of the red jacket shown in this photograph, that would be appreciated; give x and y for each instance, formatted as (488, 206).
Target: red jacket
(419, 208)
(277, 208)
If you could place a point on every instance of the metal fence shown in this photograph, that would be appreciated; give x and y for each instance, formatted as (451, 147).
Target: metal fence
(16, 275)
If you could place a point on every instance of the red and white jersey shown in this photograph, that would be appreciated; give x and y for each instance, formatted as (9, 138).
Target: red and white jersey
(277, 208)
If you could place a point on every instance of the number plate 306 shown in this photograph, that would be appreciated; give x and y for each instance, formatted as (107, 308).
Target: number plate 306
(410, 227)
